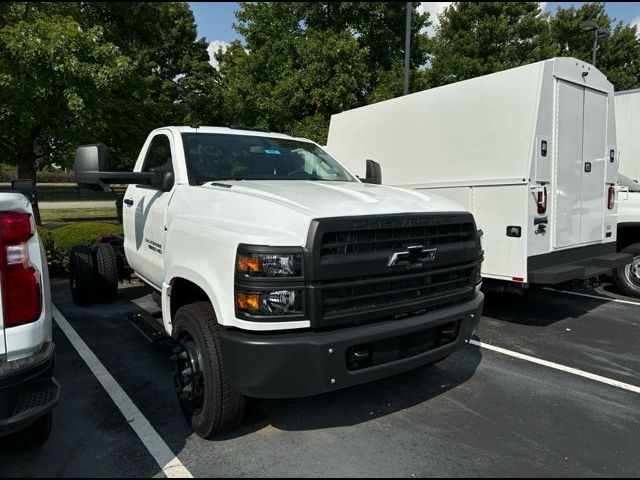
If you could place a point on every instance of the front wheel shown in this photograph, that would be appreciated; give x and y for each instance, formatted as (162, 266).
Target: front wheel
(208, 400)
(627, 277)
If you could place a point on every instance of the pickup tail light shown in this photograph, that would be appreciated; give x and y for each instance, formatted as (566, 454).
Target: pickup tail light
(611, 199)
(21, 286)
(542, 201)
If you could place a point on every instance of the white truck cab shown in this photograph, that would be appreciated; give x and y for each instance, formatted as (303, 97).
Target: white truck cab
(28, 390)
(530, 151)
(627, 277)
(283, 275)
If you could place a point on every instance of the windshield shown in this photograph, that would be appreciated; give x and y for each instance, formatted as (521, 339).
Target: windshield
(625, 181)
(215, 157)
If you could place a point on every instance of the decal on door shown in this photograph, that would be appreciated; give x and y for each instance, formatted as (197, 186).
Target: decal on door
(153, 246)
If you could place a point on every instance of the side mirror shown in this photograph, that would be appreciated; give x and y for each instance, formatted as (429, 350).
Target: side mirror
(27, 188)
(89, 160)
(91, 169)
(165, 182)
(374, 173)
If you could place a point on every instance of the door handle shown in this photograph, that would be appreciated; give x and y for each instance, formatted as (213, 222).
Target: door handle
(128, 201)
(587, 167)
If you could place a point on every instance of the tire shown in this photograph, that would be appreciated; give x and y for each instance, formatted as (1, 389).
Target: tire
(82, 277)
(627, 277)
(106, 271)
(208, 400)
(35, 435)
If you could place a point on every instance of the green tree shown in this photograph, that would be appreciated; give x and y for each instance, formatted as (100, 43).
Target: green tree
(54, 74)
(88, 71)
(478, 38)
(618, 56)
(304, 61)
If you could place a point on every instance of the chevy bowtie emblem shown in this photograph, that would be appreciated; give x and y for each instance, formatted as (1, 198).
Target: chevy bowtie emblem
(415, 255)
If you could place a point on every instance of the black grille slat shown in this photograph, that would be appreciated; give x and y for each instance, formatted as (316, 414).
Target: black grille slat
(373, 240)
(349, 296)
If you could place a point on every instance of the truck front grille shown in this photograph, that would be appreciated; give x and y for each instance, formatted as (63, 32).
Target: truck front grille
(353, 280)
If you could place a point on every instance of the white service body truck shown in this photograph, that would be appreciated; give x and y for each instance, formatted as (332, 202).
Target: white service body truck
(280, 273)
(530, 151)
(628, 199)
(28, 390)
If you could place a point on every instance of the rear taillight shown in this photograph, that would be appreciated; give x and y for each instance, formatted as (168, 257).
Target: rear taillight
(21, 291)
(611, 199)
(542, 201)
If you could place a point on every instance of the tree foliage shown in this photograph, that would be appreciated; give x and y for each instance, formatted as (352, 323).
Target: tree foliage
(618, 56)
(303, 61)
(84, 71)
(112, 71)
(478, 38)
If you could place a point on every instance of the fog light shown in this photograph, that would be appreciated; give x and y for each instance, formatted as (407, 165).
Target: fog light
(447, 333)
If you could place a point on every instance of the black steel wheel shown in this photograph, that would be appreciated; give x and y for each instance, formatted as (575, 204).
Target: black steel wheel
(208, 400)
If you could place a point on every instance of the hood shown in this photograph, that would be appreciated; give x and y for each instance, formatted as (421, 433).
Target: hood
(336, 199)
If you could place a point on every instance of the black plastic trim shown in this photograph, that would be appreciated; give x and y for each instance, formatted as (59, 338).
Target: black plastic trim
(298, 364)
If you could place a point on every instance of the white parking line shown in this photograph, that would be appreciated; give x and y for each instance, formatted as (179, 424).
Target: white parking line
(168, 462)
(598, 297)
(557, 366)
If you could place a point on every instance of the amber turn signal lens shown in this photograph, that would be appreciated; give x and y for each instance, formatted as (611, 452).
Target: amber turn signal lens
(248, 301)
(248, 264)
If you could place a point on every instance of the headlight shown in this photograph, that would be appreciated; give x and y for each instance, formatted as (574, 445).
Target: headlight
(270, 265)
(277, 302)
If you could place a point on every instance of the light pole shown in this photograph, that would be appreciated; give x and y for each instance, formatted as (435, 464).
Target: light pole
(598, 32)
(407, 48)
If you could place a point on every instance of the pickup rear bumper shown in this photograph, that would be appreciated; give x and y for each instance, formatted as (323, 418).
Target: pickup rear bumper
(575, 264)
(27, 390)
(306, 363)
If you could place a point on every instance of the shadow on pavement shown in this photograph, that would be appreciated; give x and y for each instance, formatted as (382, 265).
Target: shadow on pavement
(536, 307)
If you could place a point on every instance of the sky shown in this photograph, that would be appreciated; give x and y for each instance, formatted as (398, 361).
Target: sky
(215, 19)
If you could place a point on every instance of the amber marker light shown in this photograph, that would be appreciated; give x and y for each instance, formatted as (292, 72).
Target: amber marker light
(248, 301)
(248, 264)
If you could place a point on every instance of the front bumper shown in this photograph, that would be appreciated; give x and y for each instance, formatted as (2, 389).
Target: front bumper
(308, 363)
(27, 390)
(575, 264)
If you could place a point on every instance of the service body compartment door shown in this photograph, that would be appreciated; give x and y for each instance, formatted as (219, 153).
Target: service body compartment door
(580, 165)
(594, 173)
(568, 188)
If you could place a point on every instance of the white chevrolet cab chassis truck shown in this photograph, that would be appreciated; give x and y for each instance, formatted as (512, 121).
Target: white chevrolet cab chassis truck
(28, 390)
(628, 196)
(279, 273)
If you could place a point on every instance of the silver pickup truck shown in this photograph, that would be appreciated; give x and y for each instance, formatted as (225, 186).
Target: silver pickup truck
(28, 391)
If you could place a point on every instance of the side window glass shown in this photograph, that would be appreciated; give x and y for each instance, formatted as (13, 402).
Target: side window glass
(159, 155)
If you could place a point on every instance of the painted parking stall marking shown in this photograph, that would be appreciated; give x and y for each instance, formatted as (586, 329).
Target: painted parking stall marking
(171, 466)
(557, 366)
(597, 297)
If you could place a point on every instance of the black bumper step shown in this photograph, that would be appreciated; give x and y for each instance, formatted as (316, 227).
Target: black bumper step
(30, 401)
(150, 327)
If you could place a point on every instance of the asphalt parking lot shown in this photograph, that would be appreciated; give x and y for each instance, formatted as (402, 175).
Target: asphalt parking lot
(478, 413)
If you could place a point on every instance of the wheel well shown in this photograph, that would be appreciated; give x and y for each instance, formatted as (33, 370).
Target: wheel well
(628, 235)
(184, 292)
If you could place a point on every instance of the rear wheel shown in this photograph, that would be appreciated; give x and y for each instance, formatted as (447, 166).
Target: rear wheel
(82, 277)
(627, 277)
(208, 400)
(106, 263)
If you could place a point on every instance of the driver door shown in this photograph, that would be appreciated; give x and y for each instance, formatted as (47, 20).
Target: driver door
(145, 212)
